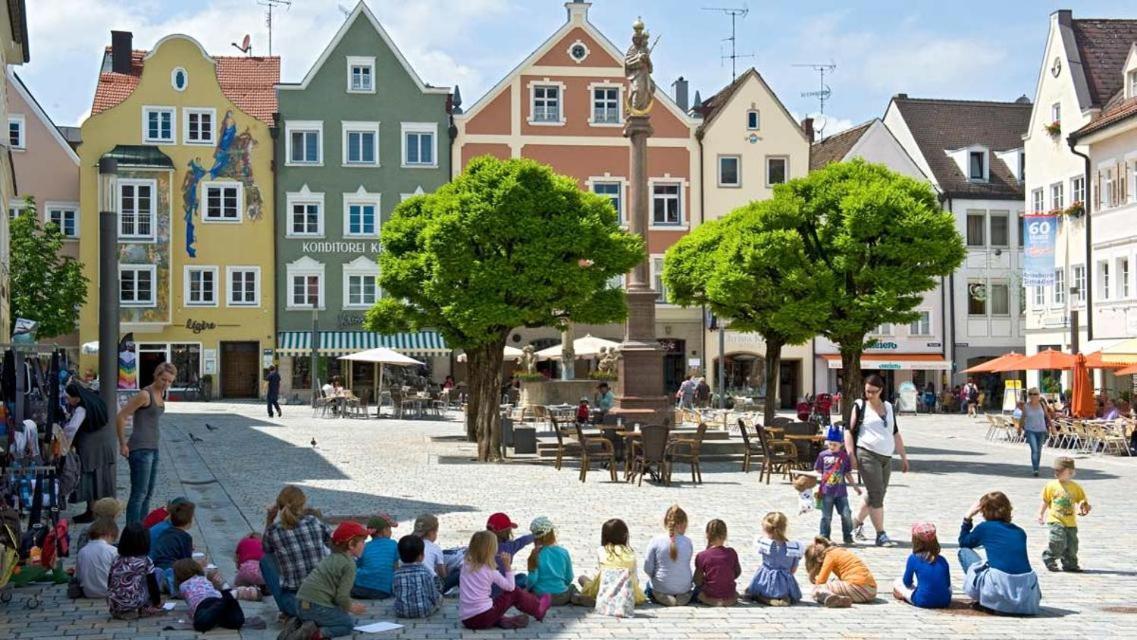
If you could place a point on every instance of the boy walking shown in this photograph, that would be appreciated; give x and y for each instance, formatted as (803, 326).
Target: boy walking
(833, 467)
(1062, 501)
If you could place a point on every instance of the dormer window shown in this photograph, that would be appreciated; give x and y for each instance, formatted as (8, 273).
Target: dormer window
(1131, 83)
(977, 165)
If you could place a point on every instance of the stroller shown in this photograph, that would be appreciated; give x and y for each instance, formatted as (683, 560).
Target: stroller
(815, 409)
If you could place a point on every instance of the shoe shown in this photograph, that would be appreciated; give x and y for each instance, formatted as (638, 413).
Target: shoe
(1051, 566)
(882, 540)
(514, 622)
(859, 532)
(543, 605)
(1073, 569)
(778, 602)
(255, 622)
(834, 601)
(308, 631)
(849, 542)
(84, 518)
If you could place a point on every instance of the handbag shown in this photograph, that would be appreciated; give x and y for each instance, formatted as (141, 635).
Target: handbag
(614, 597)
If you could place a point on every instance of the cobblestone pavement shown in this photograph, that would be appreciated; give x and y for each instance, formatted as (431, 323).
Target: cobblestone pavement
(410, 467)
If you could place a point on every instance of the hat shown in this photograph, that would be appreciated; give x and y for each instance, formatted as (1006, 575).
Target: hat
(348, 530)
(381, 521)
(541, 526)
(924, 531)
(835, 435)
(500, 522)
(584, 399)
(107, 507)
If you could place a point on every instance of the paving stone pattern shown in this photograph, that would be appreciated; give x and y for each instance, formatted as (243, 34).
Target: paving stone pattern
(410, 467)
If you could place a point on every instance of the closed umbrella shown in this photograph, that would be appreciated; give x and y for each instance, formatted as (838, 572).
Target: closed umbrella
(992, 366)
(1081, 392)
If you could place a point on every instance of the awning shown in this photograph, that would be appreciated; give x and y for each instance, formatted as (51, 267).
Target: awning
(337, 343)
(137, 155)
(895, 361)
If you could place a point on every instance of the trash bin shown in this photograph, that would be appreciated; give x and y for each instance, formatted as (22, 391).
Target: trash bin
(524, 440)
(506, 430)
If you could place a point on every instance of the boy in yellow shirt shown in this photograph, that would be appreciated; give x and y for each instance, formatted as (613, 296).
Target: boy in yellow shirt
(1060, 498)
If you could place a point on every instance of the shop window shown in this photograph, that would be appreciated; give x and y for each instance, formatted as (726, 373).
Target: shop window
(301, 373)
(976, 298)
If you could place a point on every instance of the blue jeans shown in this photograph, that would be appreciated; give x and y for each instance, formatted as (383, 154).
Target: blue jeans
(842, 505)
(285, 598)
(333, 621)
(367, 593)
(968, 557)
(1036, 439)
(143, 475)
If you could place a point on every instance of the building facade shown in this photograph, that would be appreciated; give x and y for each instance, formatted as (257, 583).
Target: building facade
(359, 134)
(564, 106)
(195, 206)
(13, 51)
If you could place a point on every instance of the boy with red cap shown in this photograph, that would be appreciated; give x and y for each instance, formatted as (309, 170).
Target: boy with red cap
(324, 600)
(500, 524)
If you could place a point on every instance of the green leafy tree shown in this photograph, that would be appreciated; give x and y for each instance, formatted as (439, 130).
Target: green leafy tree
(751, 268)
(46, 286)
(877, 240)
(505, 244)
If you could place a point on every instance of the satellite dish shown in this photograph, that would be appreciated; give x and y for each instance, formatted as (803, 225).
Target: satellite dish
(247, 43)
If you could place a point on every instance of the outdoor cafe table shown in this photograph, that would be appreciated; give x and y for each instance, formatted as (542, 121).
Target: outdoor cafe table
(810, 445)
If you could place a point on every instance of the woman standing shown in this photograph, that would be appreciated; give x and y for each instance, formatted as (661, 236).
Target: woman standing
(94, 445)
(146, 407)
(871, 440)
(1036, 426)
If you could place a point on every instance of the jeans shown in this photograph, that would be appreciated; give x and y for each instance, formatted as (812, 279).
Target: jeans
(1036, 439)
(841, 503)
(143, 475)
(224, 612)
(273, 401)
(1063, 545)
(968, 557)
(367, 593)
(285, 598)
(333, 621)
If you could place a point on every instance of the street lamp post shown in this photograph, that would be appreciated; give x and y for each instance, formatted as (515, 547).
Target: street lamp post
(108, 283)
(315, 348)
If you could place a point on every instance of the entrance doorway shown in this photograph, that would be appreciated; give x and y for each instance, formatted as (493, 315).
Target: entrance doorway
(789, 383)
(674, 364)
(240, 369)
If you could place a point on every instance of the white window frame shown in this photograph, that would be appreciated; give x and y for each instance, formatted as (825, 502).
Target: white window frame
(174, 78)
(667, 180)
(986, 298)
(360, 267)
(172, 111)
(153, 215)
(304, 197)
(187, 288)
(991, 298)
(919, 324)
(578, 43)
(786, 160)
(1060, 291)
(737, 171)
(348, 127)
(606, 179)
(230, 290)
(543, 83)
(363, 62)
(305, 267)
(757, 120)
(607, 86)
(1131, 83)
(1005, 215)
(1056, 112)
(982, 216)
(986, 168)
(22, 136)
(211, 138)
(883, 330)
(1123, 269)
(1037, 201)
(206, 186)
(1103, 281)
(1039, 299)
(1078, 189)
(148, 268)
(304, 126)
(73, 207)
(1078, 281)
(419, 128)
(656, 273)
(1058, 196)
(1108, 182)
(362, 197)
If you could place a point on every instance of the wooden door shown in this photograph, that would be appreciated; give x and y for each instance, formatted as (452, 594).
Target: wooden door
(240, 369)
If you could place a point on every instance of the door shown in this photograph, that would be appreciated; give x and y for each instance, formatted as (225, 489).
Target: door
(240, 369)
(674, 364)
(789, 383)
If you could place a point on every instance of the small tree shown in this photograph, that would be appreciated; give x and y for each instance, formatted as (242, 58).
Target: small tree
(878, 240)
(506, 244)
(751, 267)
(46, 286)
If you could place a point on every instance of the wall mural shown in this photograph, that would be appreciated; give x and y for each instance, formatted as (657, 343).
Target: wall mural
(232, 158)
(156, 253)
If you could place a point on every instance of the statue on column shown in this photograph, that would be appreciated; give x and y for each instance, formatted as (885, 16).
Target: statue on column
(637, 67)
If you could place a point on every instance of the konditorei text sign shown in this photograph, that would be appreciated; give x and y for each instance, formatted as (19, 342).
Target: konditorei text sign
(327, 246)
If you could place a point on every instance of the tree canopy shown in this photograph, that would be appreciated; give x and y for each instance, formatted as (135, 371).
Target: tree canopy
(46, 286)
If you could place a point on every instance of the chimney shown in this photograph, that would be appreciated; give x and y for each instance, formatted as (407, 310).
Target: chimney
(680, 86)
(902, 96)
(577, 11)
(1065, 17)
(121, 43)
(807, 127)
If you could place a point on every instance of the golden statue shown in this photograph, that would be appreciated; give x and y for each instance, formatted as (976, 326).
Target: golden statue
(637, 67)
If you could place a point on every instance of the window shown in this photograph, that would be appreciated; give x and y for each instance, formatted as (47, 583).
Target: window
(613, 191)
(222, 201)
(136, 285)
(1132, 83)
(729, 174)
(361, 214)
(922, 326)
(666, 207)
(360, 74)
(1000, 229)
(546, 103)
(752, 120)
(1037, 204)
(1059, 286)
(244, 286)
(1079, 284)
(16, 131)
(1039, 297)
(304, 142)
(976, 229)
(657, 279)
(419, 144)
(199, 126)
(361, 290)
(1057, 202)
(882, 330)
(201, 286)
(1123, 278)
(65, 218)
(1022, 300)
(1108, 188)
(578, 51)
(306, 218)
(606, 105)
(306, 290)
(1000, 299)
(158, 124)
(976, 163)
(179, 79)
(1078, 189)
(976, 298)
(1056, 112)
(1022, 230)
(361, 143)
(1103, 280)
(776, 170)
(136, 209)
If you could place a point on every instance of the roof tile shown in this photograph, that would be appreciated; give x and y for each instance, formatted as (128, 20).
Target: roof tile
(1103, 46)
(835, 147)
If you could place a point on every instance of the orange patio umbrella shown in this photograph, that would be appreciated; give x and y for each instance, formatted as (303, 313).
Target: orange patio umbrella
(1047, 359)
(1131, 370)
(993, 365)
(1102, 360)
(1082, 403)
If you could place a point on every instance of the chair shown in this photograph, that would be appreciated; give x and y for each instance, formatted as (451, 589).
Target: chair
(597, 449)
(750, 448)
(560, 444)
(777, 455)
(686, 451)
(321, 405)
(649, 453)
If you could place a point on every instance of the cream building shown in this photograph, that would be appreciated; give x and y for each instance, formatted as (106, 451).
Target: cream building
(13, 51)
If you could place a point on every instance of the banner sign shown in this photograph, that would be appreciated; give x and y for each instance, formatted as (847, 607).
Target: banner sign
(1040, 232)
(127, 363)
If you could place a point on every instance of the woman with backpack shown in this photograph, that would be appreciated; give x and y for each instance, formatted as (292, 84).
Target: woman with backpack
(95, 445)
(871, 440)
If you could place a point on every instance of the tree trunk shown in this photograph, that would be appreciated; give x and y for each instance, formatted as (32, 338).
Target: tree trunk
(484, 367)
(773, 364)
(851, 380)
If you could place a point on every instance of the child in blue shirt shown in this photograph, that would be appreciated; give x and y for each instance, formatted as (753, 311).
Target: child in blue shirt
(375, 568)
(927, 578)
(502, 527)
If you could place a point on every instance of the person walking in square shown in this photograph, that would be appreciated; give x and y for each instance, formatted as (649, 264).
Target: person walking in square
(141, 450)
(1062, 501)
(872, 438)
(834, 467)
(272, 395)
(1036, 426)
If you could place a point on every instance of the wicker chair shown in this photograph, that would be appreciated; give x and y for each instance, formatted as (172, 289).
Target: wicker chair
(777, 455)
(686, 451)
(751, 448)
(650, 453)
(595, 449)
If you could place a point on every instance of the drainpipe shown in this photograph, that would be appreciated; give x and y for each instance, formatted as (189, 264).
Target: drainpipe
(1072, 141)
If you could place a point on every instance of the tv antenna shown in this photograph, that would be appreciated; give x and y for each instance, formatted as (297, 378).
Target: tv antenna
(344, 10)
(823, 92)
(735, 13)
(246, 45)
(272, 4)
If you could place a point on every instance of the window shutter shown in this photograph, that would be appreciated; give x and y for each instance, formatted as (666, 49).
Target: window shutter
(1097, 192)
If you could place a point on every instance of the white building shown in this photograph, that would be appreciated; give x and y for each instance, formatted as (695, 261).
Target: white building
(13, 51)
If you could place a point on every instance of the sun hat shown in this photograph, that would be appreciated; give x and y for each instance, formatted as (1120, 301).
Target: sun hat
(541, 526)
(348, 530)
(381, 521)
(924, 531)
(500, 522)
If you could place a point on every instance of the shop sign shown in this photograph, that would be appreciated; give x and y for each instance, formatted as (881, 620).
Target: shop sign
(935, 344)
(742, 339)
(320, 246)
(198, 326)
(962, 345)
(209, 361)
(266, 358)
(877, 344)
(890, 366)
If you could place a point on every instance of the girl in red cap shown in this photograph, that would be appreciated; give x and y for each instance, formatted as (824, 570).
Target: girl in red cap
(324, 600)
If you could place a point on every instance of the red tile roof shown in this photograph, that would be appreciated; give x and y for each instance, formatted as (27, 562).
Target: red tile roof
(1118, 110)
(249, 81)
(836, 147)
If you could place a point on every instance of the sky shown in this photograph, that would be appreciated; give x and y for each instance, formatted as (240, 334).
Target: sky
(985, 50)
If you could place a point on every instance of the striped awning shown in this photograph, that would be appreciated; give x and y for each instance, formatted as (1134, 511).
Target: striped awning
(338, 343)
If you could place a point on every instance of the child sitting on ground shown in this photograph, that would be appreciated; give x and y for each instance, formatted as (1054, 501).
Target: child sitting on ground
(208, 607)
(375, 569)
(248, 556)
(833, 467)
(927, 578)
(614, 553)
(476, 608)
(667, 561)
(550, 566)
(132, 590)
(416, 590)
(1061, 499)
(175, 543)
(502, 527)
(426, 527)
(717, 569)
(840, 578)
(324, 603)
(774, 582)
(104, 509)
(96, 557)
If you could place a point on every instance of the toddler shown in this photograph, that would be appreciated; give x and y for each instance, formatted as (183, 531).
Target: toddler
(774, 582)
(840, 578)
(323, 603)
(927, 579)
(416, 590)
(208, 607)
(375, 569)
(550, 566)
(476, 607)
(833, 467)
(1061, 499)
(614, 553)
(717, 569)
(132, 590)
(502, 527)
(250, 550)
(667, 561)
(175, 543)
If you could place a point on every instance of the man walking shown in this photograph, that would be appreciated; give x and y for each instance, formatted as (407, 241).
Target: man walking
(273, 395)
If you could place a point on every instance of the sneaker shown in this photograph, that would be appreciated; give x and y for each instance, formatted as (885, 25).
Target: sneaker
(514, 622)
(778, 602)
(1051, 566)
(1073, 569)
(849, 542)
(834, 601)
(859, 532)
(882, 540)
(1036, 473)
(543, 605)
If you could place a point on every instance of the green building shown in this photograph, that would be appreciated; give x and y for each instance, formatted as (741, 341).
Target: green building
(359, 134)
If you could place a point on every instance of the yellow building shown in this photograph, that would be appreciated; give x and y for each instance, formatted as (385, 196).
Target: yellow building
(194, 200)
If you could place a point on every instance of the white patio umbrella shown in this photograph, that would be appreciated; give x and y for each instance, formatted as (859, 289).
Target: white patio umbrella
(90, 348)
(381, 356)
(586, 347)
(510, 353)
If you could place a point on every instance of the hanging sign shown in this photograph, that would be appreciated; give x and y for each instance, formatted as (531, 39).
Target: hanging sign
(127, 363)
(1038, 255)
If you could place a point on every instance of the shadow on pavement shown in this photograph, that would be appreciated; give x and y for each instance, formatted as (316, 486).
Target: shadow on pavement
(996, 469)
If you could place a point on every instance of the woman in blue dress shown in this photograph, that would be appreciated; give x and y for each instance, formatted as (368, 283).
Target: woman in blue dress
(774, 583)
